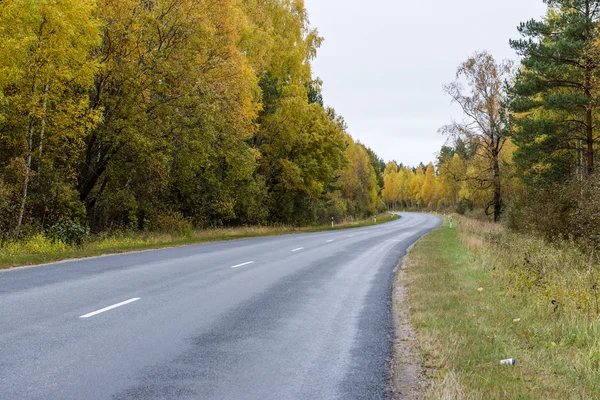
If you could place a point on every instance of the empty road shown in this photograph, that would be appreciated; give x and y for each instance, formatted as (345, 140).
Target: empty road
(303, 316)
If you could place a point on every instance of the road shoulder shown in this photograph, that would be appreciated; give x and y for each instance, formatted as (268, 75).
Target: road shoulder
(408, 374)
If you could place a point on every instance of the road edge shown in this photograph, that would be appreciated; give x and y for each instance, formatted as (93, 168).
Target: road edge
(408, 378)
(174, 244)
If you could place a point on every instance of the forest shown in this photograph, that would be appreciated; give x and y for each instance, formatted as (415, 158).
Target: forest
(137, 115)
(146, 115)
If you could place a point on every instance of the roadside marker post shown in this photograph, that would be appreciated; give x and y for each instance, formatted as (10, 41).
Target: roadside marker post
(451, 222)
(331, 222)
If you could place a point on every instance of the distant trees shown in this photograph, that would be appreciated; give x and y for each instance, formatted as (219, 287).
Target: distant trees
(405, 187)
(119, 114)
(475, 167)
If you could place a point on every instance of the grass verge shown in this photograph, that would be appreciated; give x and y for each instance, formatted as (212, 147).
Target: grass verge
(39, 249)
(468, 317)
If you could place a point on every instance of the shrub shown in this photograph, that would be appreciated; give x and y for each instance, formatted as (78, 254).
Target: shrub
(36, 244)
(172, 223)
(570, 210)
(69, 232)
(463, 206)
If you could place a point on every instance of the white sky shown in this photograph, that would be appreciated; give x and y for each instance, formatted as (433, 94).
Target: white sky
(384, 63)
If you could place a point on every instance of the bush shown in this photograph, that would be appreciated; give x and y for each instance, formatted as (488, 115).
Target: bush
(36, 244)
(172, 223)
(569, 211)
(463, 206)
(69, 232)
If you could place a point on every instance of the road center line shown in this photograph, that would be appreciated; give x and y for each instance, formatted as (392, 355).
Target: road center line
(242, 264)
(298, 249)
(329, 241)
(110, 307)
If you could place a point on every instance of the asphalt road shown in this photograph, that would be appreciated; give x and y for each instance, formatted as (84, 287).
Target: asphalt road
(303, 316)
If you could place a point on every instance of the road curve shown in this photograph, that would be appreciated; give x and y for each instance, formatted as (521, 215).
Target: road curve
(304, 316)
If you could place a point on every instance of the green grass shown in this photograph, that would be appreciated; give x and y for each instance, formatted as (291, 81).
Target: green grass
(39, 249)
(464, 313)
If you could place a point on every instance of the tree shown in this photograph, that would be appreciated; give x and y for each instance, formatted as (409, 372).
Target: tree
(301, 148)
(378, 166)
(129, 114)
(405, 178)
(48, 48)
(179, 101)
(428, 189)
(391, 184)
(451, 178)
(485, 126)
(416, 185)
(358, 180)
(555, 96)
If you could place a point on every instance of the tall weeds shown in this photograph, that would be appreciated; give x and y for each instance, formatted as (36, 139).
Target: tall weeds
(555, 277)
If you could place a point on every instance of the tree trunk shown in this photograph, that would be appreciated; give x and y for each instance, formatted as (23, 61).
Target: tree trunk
(27, 175)
(590, 140)
(42, 131)
(497, 190)
(589, 111)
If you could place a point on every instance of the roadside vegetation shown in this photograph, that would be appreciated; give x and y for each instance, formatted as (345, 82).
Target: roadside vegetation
(134, 115)
(40, 249)
(524, 151)
(520, 275)
(480, 294)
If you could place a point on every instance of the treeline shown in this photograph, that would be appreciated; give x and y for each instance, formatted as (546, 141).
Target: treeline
(143, 114)
(525, 150)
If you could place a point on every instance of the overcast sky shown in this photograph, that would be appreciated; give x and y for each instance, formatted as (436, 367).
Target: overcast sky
(384, 63)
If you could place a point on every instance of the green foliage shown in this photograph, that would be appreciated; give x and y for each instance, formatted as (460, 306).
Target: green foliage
(463, 206)
(167, 115)
(69, 232)
(301, 148)
(555, 96)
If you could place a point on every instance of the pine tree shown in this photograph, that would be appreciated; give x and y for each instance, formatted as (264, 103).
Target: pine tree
(556, 92)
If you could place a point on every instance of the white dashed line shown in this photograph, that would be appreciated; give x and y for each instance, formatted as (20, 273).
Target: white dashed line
(329, 241)
(298, 249)
(242, 264)
(110, 307)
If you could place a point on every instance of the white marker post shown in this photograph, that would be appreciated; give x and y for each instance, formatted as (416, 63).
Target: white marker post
(331, 222)
(451, 222)
(376, 218)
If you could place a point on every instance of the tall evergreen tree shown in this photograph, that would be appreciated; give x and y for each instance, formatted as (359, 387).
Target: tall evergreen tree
(555, 96)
